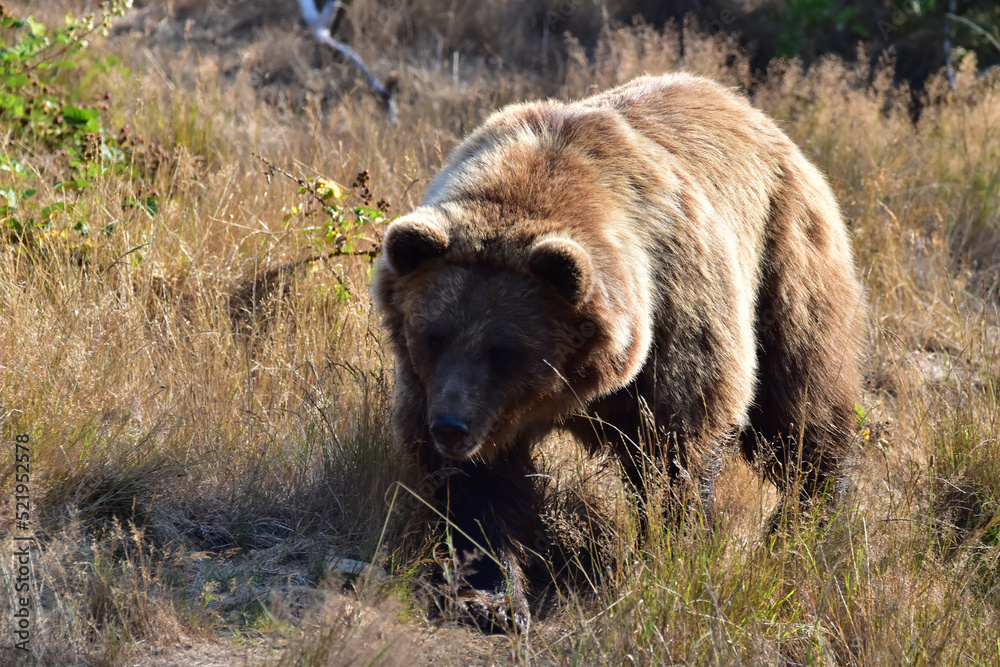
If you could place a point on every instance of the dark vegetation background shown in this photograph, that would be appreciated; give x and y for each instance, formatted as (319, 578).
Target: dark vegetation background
(528, 34)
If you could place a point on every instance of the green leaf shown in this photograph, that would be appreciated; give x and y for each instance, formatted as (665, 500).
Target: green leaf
(13, 224)
(11, 196)
(107, 64)
(15, 81)
(13, 104)
(11, 22)
(55, 207)
(73, 184)
(58, 64)
(8, 164)
(88, 119)
(37, 29)
(149, 205)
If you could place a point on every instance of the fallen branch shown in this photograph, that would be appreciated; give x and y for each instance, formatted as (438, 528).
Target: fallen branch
(975, 28)
(322, 25)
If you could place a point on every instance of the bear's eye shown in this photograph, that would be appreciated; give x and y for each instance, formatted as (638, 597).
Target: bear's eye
(503, 358)
(435, 344)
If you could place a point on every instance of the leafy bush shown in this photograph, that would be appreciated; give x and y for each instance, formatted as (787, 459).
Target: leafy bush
(800, 20)
(42, 108)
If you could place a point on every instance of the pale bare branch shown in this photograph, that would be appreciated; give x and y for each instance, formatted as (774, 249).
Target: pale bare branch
(321, 25)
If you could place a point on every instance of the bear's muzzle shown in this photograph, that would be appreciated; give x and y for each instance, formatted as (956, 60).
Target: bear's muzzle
(450, 432)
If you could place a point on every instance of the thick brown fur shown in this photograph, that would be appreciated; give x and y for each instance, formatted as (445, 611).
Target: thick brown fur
(657, 269)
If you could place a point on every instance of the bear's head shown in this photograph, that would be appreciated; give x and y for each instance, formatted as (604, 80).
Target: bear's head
(492, 342)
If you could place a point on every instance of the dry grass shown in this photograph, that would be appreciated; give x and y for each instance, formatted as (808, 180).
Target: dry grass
(209, 422)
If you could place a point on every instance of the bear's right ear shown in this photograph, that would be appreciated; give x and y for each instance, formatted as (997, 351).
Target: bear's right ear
(412, 240)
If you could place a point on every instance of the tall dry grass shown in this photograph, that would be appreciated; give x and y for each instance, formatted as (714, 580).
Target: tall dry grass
(208, 420)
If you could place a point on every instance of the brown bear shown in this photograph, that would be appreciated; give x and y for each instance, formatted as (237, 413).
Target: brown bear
(656, 269)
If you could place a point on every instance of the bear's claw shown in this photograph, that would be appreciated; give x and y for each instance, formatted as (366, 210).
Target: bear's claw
(495, 613)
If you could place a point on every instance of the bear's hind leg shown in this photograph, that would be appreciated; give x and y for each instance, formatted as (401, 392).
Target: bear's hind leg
(809, 308)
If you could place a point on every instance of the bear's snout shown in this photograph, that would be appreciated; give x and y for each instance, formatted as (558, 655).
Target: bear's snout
(449, 431)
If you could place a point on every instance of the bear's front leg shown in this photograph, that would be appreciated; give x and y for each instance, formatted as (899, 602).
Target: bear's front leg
(492, 509)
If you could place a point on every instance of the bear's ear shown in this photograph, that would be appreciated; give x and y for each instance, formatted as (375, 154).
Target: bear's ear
(412, 240)
(565, 265)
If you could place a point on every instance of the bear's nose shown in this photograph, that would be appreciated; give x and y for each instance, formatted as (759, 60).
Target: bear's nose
(449, 430)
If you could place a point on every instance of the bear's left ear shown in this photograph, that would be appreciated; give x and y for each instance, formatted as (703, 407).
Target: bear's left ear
(565, 265)
(414, 239)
